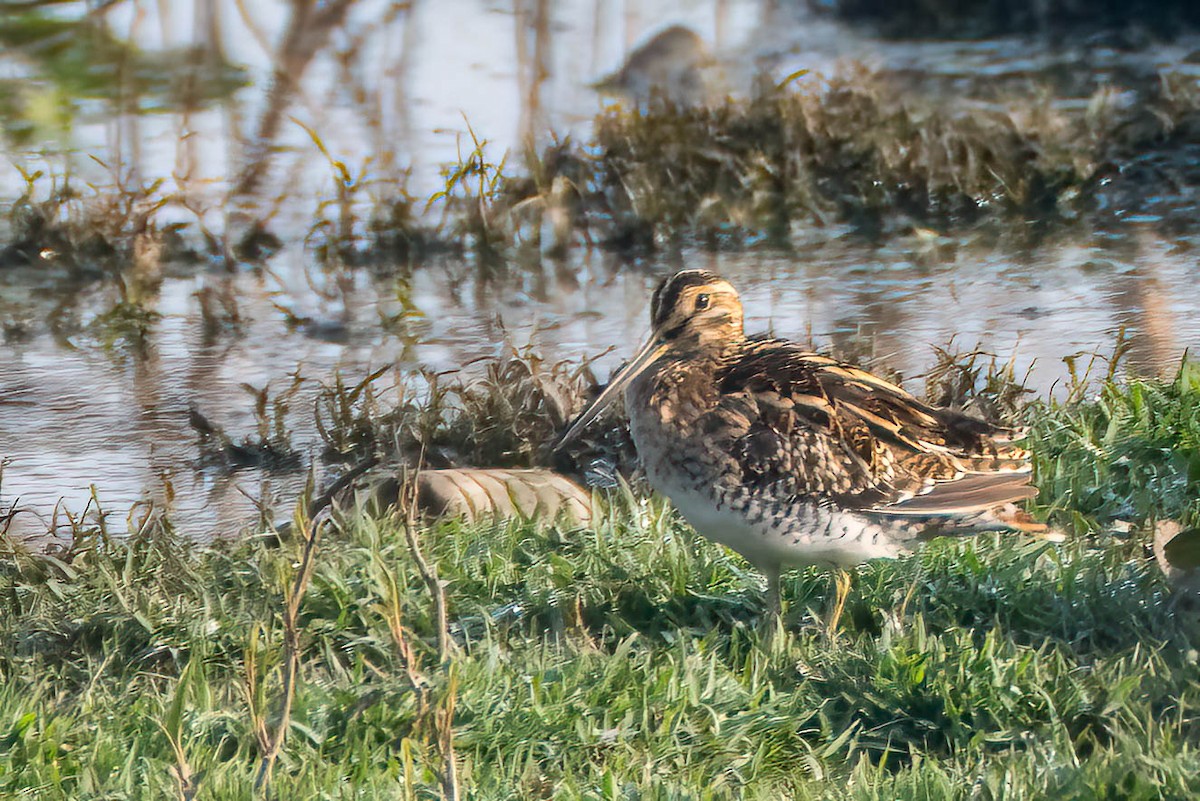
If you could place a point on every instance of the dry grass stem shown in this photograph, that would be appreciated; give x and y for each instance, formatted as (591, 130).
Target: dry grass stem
(274, 740)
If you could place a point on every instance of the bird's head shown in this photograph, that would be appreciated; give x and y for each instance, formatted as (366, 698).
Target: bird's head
(694, 309)
(691, 313)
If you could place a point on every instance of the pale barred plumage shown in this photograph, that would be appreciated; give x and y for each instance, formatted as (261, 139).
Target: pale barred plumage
(790, 457)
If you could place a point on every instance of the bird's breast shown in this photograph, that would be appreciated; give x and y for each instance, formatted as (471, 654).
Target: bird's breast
(685, 432)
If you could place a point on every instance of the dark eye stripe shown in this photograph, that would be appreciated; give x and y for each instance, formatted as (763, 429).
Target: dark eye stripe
(668, 293)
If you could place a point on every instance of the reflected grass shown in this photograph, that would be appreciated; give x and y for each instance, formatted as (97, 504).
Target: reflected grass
(77, 59)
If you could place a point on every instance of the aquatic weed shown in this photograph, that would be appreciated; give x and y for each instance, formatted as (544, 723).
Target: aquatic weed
(270, 446)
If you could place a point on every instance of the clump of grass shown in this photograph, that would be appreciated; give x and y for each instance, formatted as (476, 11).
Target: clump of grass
(100, 229)
(395, 228)
(548, 203)
(469, 211)
(270, 446)
(851, 152)
(105, 235)
(1130, 452)
(502, 412)
(125, 324)
(977, 382)
(857, 148)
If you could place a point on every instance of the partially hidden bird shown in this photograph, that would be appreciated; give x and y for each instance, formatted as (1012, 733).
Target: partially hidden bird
(793, 458)
(673, 65)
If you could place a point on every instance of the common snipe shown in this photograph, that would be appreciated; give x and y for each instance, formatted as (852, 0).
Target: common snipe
(793, 458)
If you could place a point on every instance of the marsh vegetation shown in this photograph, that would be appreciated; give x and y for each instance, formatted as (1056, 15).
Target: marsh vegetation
(312, 278)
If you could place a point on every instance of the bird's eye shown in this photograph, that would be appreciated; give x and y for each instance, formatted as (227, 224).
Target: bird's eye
(701, 302)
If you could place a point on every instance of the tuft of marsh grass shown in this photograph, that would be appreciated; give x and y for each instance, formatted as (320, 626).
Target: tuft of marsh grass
(978, 383)
(858, 148)
(85, 229)
(853, 150)
(469, 211)
(125, 324)
(1130, 452)
(501, 412)
(270, 446)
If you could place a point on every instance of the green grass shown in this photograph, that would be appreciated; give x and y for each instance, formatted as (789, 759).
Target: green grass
(1130, 454)
(626, 661)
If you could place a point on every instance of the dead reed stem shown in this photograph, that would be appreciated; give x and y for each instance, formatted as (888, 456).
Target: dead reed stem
(444, 716)
(427, 572)
(306, 34)
(291, 658)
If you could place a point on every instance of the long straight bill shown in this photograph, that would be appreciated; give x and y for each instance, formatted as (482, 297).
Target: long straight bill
(645, 356)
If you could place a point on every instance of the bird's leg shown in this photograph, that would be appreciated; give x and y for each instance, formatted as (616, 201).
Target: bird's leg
(772, 619)
(774, 602)
(841, 583)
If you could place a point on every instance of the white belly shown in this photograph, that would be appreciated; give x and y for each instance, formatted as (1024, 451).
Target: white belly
(808, 534)
(812, 535)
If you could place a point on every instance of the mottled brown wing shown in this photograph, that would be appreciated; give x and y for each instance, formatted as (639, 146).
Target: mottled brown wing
(835, 431)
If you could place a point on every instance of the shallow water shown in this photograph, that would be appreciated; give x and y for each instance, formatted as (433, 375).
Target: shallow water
(76, 415)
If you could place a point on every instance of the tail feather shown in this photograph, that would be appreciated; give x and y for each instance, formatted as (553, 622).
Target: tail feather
(972, 493)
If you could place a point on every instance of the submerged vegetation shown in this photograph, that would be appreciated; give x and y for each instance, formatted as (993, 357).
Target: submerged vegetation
(624, 660)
